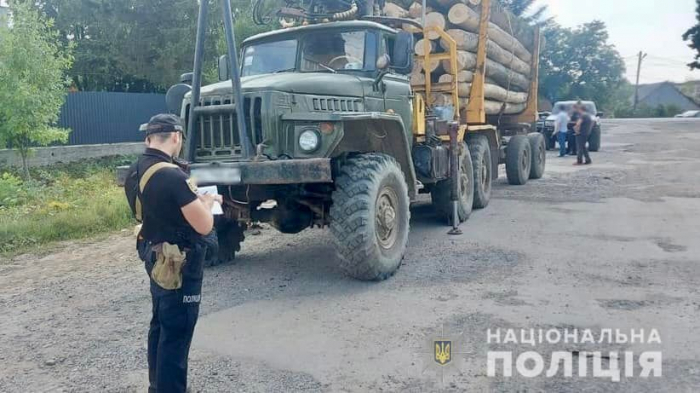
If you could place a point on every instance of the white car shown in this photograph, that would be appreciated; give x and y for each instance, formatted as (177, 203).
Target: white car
(593, 138)
(689, 114)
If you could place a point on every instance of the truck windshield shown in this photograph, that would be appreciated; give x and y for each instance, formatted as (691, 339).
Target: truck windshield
(269, 57)
(335, 51)
(328, 52)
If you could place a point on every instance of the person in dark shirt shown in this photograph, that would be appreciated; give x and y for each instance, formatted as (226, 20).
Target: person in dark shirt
(583, 130)
(172, 244)
(571, 134)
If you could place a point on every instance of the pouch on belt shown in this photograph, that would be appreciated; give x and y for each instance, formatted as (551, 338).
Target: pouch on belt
(167, 271)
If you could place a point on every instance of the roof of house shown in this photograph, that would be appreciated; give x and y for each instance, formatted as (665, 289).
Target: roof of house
(647, 90)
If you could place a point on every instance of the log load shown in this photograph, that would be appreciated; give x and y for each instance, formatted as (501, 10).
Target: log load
(468, 19)
(491, 107)
(469, 41)
(502, 75)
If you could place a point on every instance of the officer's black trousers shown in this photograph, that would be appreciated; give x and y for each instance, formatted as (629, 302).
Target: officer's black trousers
(173, 321)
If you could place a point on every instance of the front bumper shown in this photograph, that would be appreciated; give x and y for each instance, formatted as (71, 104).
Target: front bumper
(296, 171)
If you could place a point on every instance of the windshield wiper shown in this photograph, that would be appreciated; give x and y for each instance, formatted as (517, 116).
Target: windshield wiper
(321, 64)
(286, 70)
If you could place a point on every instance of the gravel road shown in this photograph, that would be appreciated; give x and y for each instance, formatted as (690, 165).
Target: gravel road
(612, 245)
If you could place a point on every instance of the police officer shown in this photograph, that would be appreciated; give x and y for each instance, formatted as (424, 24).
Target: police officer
(172, 244)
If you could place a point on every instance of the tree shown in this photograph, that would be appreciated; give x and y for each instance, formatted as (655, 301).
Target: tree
(693, 34)
(33, 63)
(580, 64)
(526, 9)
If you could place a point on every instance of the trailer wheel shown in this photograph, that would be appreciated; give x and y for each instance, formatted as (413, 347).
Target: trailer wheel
(441, 194)
(539, 155)
(230, 236)
(370, 216)
(481, 161)
(518, 160)
(594, 139)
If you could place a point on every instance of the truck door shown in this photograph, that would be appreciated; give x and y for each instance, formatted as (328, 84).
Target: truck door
(397, 88)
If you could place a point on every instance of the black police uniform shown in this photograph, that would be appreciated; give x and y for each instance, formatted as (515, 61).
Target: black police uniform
(175, 312)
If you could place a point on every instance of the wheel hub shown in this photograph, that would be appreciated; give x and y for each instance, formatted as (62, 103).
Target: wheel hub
(485, 178)
(385, 218)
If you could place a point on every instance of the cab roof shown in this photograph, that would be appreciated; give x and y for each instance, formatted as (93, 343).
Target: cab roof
(295, 31)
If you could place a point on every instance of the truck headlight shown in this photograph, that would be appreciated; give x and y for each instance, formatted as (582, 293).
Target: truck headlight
(309, 140)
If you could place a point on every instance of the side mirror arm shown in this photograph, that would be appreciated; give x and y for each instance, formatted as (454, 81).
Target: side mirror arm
(378, 80)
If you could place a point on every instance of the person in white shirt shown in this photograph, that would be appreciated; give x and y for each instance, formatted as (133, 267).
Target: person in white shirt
(560, 128)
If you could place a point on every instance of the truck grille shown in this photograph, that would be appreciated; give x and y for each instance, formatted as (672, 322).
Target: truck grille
(337, 104)
(217, 134)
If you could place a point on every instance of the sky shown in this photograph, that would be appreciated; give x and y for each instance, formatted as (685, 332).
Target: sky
(654, 27)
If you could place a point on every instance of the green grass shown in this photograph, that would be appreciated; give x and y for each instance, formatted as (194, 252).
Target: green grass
(61, 202)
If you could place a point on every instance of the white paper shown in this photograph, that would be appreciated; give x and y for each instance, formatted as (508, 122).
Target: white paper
(211, 190)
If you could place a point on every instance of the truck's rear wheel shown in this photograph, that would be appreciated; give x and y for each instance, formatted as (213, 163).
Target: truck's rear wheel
(481, 161)
(230, 236)
(441, 194)
(594, 139)
(539, 155)
(370, 216)
(518, 160)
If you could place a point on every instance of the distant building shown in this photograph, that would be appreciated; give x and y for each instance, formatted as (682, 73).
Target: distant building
(665, 94)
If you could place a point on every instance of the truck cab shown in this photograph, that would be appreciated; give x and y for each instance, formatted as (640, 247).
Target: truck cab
(296, 84)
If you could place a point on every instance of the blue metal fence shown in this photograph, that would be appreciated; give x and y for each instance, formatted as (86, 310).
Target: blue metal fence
(107, 117)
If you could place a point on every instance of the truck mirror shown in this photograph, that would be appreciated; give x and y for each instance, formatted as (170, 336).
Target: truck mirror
(402, 56)
(600, 114)
(186, 78)
(223, 68)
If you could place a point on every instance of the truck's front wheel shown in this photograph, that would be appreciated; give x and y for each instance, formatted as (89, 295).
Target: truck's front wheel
(370, 216)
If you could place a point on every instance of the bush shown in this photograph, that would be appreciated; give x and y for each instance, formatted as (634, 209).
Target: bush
(63, 202)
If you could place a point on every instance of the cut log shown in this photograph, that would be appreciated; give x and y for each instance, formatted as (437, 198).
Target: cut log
(469, 41)
(416, 10)
(394, 11)
(509, 43)
(419, 48)
(464, 40)
(463, 16)
(434, 65)
(465, 61)
(440, 99)
(494, 108)
(468, 19)
(505, 77)
(434, 19)
(462, 76)
(494, 93)
(417, 79)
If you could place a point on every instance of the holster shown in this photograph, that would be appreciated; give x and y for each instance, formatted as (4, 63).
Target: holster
(167, 270)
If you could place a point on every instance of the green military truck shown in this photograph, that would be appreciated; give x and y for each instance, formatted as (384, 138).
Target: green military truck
(323, 129)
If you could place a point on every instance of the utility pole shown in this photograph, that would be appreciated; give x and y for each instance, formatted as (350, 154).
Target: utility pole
(636, 86)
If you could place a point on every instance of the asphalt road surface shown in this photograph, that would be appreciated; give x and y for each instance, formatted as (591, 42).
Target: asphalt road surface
(615, 245)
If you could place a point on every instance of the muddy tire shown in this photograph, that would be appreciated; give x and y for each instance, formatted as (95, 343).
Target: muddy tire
(480, 152)
(441, 194)
(230, 236)
(370, 216)
(594, 139)
(539, 155)
(518, 160)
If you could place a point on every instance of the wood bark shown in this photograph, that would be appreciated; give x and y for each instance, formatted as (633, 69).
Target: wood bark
(462, 76)
(419, 48)
(416, 10)
(505, 77)
(395, 11)
(468, 19)
(434, 19)
(469, 41)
